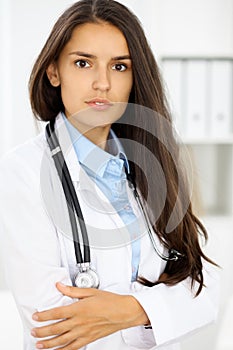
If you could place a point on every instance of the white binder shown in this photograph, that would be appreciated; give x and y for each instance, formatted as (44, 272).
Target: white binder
(195, 116)
(221, 111)
(173, 76)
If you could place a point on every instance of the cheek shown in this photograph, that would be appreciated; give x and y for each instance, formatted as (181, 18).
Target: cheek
(126, 88)
(70, 90)
(130, 83)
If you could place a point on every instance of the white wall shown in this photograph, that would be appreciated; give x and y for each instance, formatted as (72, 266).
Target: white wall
(24, 28)
(195, 27)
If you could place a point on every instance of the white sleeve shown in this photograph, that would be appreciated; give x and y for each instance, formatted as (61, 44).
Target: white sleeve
(29, 242)
(173, 311)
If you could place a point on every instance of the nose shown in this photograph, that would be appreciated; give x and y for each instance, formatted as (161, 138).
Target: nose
(102, 79)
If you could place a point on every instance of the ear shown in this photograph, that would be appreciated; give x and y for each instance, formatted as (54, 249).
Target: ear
(53, 74)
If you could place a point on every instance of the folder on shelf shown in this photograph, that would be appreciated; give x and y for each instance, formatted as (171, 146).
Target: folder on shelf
(173, 76)
(195, 97)
(221, 111)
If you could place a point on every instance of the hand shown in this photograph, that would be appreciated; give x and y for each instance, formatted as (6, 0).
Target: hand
(96, 315)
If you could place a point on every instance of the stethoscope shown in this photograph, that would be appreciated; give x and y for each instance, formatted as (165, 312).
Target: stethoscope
(86, 276)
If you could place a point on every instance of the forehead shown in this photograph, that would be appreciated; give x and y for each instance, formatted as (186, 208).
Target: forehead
(97, 38)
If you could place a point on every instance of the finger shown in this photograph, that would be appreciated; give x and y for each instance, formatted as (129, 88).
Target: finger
(52, 330)
(75, 292)
(60, 340)
(56, 313)
(77, 344)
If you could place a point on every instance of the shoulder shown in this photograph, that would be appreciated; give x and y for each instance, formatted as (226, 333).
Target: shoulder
(25, 151)
(24, 159)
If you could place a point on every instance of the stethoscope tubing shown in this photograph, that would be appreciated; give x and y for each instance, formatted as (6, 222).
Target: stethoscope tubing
(70, 195)
(174, 255)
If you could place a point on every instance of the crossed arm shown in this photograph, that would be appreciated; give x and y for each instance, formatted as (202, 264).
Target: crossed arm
(95, 315)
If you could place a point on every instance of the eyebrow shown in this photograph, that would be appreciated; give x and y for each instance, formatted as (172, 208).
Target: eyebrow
(88, 55)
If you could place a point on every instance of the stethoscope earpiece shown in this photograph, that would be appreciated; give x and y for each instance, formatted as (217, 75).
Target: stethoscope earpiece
(175, 255)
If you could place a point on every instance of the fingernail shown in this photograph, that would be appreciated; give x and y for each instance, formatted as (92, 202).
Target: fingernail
(40, 346)
(33, 333)
(35, 317)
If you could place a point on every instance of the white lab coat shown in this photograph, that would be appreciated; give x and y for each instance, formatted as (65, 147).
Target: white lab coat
(38, 251)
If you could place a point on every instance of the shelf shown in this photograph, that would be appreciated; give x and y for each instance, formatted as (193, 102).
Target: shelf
(218, 219)
(212, 57)
(207, 141)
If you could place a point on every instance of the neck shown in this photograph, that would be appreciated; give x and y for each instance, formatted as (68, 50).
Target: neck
(98, 136)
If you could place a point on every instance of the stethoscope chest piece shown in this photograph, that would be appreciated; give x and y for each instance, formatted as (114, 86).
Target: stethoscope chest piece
(86, 277)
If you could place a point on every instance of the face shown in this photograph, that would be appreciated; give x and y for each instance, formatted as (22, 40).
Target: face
(94, 71)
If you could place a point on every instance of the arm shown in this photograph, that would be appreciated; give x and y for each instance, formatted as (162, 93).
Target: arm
(29, 241)
(174, 312)
(97, 314)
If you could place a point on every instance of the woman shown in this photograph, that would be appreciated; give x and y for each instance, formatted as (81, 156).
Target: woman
(98, 84)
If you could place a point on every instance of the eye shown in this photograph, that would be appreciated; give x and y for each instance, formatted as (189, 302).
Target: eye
(120, 67)
(82, 64)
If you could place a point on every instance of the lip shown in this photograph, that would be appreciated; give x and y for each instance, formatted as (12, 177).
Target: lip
(99, 104)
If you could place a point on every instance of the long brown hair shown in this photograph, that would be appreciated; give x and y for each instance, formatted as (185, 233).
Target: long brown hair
(148, 92)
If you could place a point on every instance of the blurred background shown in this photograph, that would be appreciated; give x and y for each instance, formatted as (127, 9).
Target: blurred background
(193, 44)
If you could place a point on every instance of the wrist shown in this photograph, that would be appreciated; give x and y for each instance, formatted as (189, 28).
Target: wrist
(136, 314)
